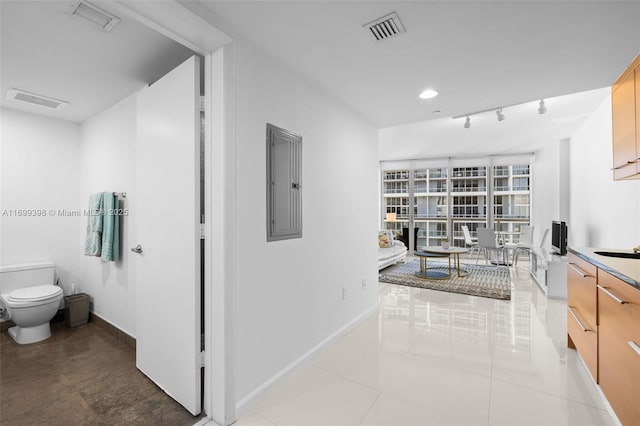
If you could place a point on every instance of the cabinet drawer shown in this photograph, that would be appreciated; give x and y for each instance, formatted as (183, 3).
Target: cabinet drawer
(582, 265)
(581, 289)
(619, 363)
(618, 288)
(584, 338)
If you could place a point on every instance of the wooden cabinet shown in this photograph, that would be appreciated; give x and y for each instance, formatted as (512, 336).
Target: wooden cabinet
(582, 311)
(625, 108)
(619, 346)
(603, 325)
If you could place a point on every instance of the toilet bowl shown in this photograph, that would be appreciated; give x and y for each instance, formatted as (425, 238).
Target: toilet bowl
(31, 309)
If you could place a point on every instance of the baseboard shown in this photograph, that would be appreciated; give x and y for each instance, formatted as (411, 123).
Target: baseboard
(203, 421)
(112, 330)
(243, 404)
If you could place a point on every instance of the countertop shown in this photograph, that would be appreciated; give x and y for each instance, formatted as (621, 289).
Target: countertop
(628, 270)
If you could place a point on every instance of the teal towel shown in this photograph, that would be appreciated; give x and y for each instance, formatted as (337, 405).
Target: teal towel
(110, 227)
(93, 241)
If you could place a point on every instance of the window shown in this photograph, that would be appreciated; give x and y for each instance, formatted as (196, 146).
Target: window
(436, 201)
(521, 184)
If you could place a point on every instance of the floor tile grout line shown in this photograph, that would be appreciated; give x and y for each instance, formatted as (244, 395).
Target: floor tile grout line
(392, 375)
(366, 413)
(262, 416)
(547, 393)
(77, 390)
(346, 378)
(454, 367)
(493, 352)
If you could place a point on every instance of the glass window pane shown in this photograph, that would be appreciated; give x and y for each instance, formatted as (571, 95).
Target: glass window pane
(467, 186)
(511, 198)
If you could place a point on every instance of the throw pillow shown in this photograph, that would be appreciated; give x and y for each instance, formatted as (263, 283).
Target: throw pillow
(383, 241)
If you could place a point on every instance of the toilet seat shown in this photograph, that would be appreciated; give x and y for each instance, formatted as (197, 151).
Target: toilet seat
(32, 296)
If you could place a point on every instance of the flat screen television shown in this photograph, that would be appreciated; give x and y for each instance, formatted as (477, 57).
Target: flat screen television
(559, 237)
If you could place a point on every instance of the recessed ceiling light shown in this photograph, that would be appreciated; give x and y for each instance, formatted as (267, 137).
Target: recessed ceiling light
(428, 94)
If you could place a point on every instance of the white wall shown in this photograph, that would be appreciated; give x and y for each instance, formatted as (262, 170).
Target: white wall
(108, 164)
(40, 171)
(54, 165)
(603, 212)
(548, 189)
(289, 293)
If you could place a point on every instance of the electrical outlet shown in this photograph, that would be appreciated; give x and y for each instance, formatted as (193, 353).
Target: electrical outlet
(364, 283)
(344, 293)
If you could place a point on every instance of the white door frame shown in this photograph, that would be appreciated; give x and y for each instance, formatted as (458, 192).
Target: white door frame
(175, 21)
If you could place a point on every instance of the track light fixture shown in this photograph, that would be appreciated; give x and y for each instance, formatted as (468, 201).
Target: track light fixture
(542, 108)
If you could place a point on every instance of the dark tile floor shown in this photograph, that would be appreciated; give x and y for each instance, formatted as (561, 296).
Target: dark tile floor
(80, 376)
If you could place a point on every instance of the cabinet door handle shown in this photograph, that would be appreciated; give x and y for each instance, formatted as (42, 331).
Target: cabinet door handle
(634, 161)
(585, 329)
(611, 295)
(579, 270)
(634, 346)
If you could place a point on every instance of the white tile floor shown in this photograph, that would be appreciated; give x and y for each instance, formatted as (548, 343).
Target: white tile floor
(434, 358)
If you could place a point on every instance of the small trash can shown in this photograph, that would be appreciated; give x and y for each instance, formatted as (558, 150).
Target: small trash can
(76, 309)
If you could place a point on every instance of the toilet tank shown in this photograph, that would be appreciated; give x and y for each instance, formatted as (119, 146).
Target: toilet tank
(13, 277)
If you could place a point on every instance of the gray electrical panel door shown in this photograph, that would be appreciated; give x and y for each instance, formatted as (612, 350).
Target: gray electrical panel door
(284, 189)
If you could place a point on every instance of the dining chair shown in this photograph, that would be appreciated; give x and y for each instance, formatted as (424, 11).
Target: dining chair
(470, 242)
(545, 234)
(488, 242)
(524, 244)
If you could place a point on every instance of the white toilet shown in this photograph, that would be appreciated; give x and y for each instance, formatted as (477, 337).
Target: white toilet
(30, 299)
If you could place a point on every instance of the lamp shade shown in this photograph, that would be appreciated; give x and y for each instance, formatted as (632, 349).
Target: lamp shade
(391, 217)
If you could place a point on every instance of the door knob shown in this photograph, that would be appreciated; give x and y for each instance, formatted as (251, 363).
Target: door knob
(137, 249)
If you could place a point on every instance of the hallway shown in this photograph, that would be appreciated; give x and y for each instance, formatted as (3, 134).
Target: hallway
(436, 358)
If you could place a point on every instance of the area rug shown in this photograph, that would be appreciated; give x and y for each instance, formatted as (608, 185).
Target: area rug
(483, 281)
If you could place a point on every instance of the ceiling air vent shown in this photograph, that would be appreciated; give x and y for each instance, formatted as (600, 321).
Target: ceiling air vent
(34, 99)
(385, 27)
(93, 14)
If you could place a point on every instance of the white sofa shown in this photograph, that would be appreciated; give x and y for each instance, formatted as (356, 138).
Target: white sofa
(390, 250)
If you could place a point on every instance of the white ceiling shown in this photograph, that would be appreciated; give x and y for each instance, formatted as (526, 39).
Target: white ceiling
(522, 131)
(48, 52)
(477, 54)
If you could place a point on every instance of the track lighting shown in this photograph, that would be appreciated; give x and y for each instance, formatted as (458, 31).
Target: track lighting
(542, 108)
(499, 112)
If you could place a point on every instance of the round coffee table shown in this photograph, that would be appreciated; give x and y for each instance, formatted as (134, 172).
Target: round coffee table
(438, 251)
(425, 272)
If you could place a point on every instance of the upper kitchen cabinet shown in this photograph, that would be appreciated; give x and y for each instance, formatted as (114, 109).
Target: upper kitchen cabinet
(625, 106)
